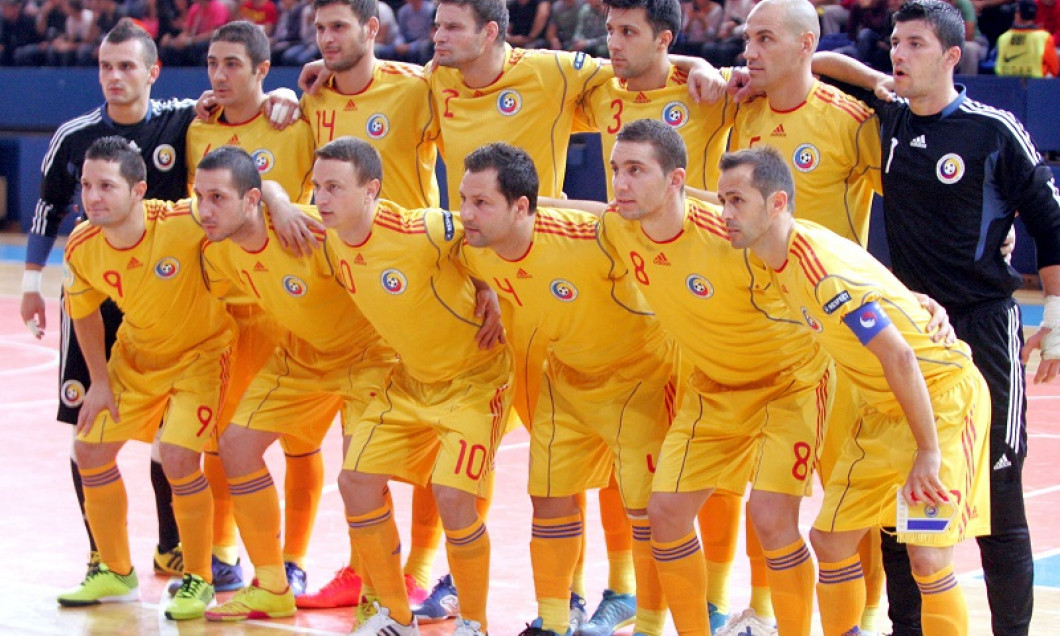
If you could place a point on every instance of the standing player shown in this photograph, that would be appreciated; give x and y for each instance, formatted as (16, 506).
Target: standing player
(922, 405)
(756, 399)
(608, 385)
(950, 158)
(170, 358)
(441, 413)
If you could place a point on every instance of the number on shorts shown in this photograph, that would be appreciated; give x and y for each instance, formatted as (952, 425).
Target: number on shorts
(205, 415)
(801, 469)
(475, 455)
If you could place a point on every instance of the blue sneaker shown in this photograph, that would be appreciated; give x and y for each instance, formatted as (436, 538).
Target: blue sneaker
(442, 603)
(226, 577)
(717, 619)
(578, 615)
(295, 578)
(535, 628)
(614, 612)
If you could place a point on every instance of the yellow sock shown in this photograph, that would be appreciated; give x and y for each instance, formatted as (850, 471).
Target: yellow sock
(872, 568)
(761, 600)
(719, 523)
(193, 510)
(107, 507)
(651, 604)
(942, 611)
(683, 575)
(302, 487)
(619, 540)
(225, 545)
(791, 577)
(375, 536)
(841, 595)
(426, 535)
(577, 583)
(469, 563)
(554, 547)
(257, 510)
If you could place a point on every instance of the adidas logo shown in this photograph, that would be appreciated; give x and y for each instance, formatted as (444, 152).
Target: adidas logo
(779, 131)
(359, 260)
(1002, 463)
(258, 267)
(641, 99)
(522, 274)
(234, 141)
(134, 263)
(661, 259)
(350, 105)
(919, 142)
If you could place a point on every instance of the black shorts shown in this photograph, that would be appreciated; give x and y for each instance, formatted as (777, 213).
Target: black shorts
(73, 373)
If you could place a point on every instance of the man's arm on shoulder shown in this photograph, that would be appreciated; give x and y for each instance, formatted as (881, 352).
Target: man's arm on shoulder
(293, 227)
(850, 71)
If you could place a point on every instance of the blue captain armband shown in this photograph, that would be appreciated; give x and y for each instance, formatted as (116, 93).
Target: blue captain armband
(867, 321)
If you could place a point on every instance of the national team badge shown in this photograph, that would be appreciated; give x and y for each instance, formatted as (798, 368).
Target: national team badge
(68, 275)
(806, 157)
(811, 321)
(675, 114)
(509, 102)
(263, 159)
(563, 290)
(295, 286)
(867, 319)
(167, 267)
(164, 157)
(394, 282)
(699, 286)
(950, 168)
(378, 126)
(72, 393)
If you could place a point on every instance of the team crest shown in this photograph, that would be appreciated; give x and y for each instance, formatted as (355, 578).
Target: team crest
(806, 157)
(378, 126)
(509, 102)
(394, 282)
(164, 157)
(167, 267)
(950, 168)
(867, 319)
(699, 286)
(295, 286)
(811, 321)
(563, 290)
(68, 275)
(72, 393)
(263, 160)
(675, 114)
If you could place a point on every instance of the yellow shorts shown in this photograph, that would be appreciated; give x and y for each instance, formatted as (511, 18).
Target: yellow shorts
(300, 390)
(445, 433)
(841, 421)
(185, 393)
(585, 425)
(876, 459)
(769, 435)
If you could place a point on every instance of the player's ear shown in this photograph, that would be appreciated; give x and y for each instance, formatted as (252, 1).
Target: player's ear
(253, 197)
(373, 27)
(952, 56)
(522, 207)
(263, 69)
(677, 178)
(373, 188)
(493, 32)
(666, 37)
(152, 73)
(139, 190)
(778, 203)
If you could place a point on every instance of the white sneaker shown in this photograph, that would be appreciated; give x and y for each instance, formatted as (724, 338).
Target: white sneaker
(468, 628)
(747, 623)
(380, 624)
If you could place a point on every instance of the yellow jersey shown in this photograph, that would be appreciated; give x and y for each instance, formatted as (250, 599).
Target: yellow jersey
(704, 127)
(844, 296)
(531, 105)
(300, 292)
(157, 283)
(567, 293)
(394, 113)
(710, 299)
(285, 156)
(407, 279)
(832, 143)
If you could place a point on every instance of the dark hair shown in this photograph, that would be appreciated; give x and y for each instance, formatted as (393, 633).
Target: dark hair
(1027, 9)
(486, 11)
(662, 15)
(119, 150)
(363, 9)
(516, 173)
(357, 152)
(667, 145)
(126, 30)
(240, 165)
(943, 18)
(250, 35)
(770, 172)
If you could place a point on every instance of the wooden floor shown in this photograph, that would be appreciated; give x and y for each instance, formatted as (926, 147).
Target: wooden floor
(43, 543)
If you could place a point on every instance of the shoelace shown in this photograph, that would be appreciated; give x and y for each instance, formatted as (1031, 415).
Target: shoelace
(336, 581)
(191, 588)
(609, 610)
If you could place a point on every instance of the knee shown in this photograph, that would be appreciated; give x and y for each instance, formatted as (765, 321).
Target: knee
(927, 561)
(178, 462)
(669, 520)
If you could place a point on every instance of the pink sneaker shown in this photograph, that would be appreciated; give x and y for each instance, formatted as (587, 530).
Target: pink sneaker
(417, 594)
(342, 591)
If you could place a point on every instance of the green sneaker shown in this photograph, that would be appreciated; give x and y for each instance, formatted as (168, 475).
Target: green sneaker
(103, 586)
(253, 603)
(191, 599)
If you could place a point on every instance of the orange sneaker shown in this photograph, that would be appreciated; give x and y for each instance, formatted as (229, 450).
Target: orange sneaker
(342, 591)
